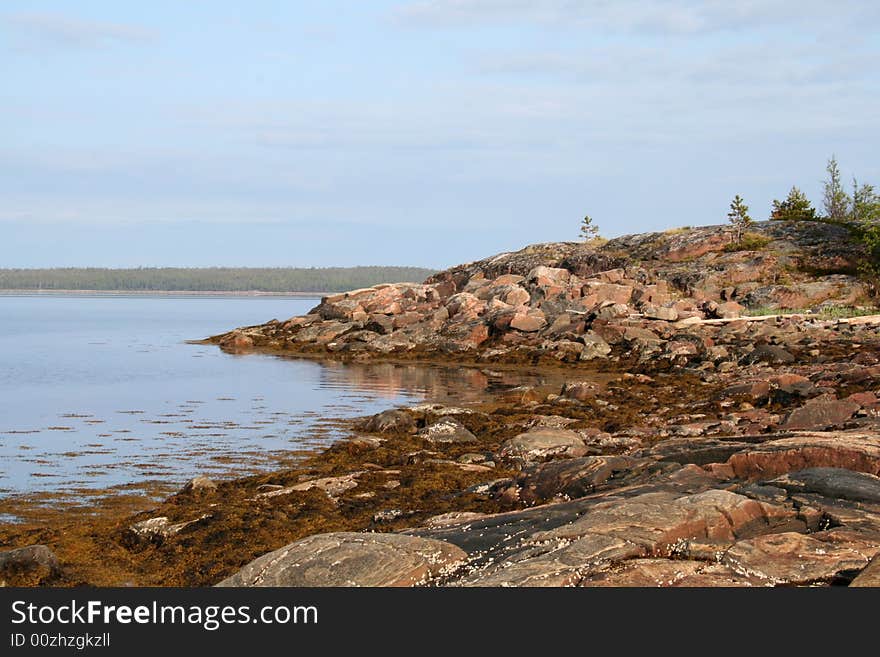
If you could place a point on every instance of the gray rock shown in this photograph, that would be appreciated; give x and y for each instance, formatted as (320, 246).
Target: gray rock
(763, 493)
(579, 390)
(838, 483)
(614, 311)
(636, 333)
(332, 486)
(496, 538)
(767, 353)
(660, 312)
(200, 484)
(28, 558)
(571, 478)
(388, 515)
(448, 430)
(699, 451)
(439, 410)
(158, 529)
(391, 421)
(474, 457)
(351, 559)
(544, 444)
(594, 346)
(487, 487)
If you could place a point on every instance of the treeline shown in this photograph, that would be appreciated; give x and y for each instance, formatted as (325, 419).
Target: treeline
(213, 279)
(858, 211)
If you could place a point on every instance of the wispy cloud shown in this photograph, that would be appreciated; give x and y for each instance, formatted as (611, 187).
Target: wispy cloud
(763, 65)
(65, 31)
(686, 17)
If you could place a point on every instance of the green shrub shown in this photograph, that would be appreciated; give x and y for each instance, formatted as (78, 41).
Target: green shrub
(749, 242)
(796, 207)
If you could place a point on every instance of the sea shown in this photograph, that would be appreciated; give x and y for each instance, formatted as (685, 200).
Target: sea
(104, 393)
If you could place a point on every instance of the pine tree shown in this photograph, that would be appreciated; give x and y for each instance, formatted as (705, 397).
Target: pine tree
(589, 230)
(739, 217)
(796, 207)
(835, 200)
(865, 204)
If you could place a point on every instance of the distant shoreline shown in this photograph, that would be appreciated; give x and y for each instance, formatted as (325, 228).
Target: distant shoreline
(205, 281)
(161, 293)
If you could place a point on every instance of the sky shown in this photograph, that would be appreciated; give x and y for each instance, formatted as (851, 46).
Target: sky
(425, 133)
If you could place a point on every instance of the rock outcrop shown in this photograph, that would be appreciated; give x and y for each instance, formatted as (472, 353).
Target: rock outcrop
(641, 298)
(350, 559)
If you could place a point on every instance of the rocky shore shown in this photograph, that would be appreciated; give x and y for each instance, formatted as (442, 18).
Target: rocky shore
(651, 301)
(691, 444)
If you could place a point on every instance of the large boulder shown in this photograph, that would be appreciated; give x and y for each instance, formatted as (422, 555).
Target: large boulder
(542, 444)
(390, 421)
(447, 430)
(351, 559)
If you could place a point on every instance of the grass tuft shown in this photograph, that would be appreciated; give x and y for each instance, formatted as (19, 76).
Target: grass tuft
(749, 242)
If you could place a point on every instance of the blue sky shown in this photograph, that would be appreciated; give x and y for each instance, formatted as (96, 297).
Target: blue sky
(426, 133)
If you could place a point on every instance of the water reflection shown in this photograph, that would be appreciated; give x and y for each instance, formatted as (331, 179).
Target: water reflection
(435, 383)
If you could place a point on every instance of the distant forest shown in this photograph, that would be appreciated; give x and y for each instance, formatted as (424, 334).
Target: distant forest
(214, 279)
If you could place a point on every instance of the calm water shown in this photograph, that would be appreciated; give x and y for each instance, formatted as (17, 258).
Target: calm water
(97, 392)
